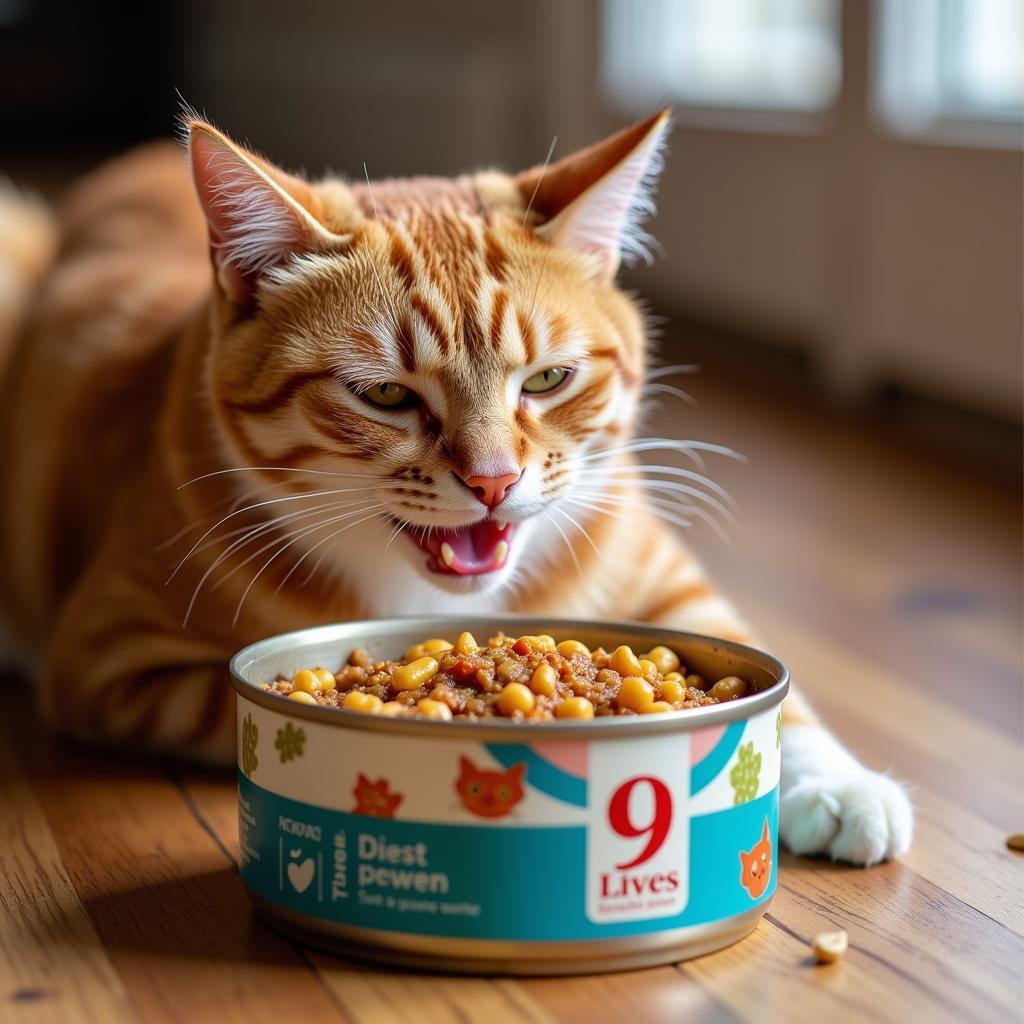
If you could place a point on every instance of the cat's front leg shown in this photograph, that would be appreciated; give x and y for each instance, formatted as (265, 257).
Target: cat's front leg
(830, 803)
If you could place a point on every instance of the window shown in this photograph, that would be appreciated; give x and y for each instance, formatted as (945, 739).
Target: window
(951, 67)
(745, 54)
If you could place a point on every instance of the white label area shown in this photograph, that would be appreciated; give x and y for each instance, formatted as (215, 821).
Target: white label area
(638, 836)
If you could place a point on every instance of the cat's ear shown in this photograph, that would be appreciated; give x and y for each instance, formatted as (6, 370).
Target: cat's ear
(595, 201)
(466, 767)
(259, 216)
(517, 771)
(765, 835)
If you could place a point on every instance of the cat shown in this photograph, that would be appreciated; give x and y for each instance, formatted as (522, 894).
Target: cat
(756, 865)
(239, 402)
(489, 794)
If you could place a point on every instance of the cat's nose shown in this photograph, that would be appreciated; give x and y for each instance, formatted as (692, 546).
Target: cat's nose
(491, 490)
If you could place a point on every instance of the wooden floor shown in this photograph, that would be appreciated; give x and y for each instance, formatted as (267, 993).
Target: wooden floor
(890, 584)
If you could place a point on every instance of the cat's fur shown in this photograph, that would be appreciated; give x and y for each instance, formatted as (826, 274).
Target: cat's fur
(141, 395)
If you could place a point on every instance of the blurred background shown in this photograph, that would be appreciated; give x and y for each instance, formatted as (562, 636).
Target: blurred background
(840, 221)
(842, 205)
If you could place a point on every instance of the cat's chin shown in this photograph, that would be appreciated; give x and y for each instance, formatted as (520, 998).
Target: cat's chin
(479, 583)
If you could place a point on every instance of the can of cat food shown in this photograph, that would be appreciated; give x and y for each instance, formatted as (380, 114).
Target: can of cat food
(495, 846)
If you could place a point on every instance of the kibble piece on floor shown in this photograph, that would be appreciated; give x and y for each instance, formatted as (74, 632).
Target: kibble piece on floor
(829, 946)
(1015, 841)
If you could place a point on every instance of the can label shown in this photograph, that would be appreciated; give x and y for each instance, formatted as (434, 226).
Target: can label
(638, 832)
(551, 840)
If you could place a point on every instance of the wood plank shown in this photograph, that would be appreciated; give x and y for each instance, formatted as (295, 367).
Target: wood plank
(771, 977)
(371, 995)
(890, 724)
(960, 853)
(53, 967)
(165, 901)
(940, 652)
(656, 995)
(917, 936)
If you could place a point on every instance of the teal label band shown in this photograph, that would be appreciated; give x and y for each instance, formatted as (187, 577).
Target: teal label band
(518, 883)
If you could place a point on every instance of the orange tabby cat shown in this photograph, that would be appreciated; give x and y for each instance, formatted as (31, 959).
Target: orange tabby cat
(414, 396)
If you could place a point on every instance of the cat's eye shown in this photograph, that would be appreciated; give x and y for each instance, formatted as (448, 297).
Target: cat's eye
(390, 395)
(547, 380)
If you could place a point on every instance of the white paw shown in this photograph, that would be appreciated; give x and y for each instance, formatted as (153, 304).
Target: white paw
(862, 817)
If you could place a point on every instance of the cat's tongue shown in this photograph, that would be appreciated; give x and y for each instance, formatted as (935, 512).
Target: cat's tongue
(467, 551)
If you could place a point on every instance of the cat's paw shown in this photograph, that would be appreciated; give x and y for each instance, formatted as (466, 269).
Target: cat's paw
(862, 818)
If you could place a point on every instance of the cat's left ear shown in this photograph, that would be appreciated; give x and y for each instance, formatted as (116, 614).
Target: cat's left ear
(259, 216)
(595, 201)
(765, 835)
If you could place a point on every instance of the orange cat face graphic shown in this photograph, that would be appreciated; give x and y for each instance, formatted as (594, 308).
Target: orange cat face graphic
(375, 799)
(757, 865)
(489, 794)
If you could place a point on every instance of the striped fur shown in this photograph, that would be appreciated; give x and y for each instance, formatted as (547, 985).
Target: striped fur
(203, 456)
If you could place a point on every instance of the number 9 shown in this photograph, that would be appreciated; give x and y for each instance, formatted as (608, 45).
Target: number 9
(659, 825)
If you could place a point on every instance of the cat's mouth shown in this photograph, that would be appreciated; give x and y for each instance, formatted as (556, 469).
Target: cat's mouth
(465, 550)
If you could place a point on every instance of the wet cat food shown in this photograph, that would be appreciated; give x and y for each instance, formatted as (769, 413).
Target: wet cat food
(529, 678)
(646, 836)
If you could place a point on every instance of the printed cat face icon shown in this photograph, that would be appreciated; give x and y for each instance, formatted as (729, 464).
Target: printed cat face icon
(375, 799)
(756, 864)
(489, 794)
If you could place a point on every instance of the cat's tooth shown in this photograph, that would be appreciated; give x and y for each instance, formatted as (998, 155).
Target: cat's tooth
(501, 551)
(502, 524)
(447, 554)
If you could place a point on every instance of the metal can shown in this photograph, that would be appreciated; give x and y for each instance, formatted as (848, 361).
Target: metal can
(494, 846)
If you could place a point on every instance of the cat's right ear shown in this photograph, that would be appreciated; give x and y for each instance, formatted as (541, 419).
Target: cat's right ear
(595, 201)
(259, 216)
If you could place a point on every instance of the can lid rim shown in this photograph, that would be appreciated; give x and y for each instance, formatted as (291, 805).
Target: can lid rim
(500, 730)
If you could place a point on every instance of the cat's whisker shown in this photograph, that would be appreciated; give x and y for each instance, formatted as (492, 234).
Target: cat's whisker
(647, 468)
(590, 502)
(572, 519)
(540, 178)
(676, 520)
(279, 469)
(269, 524)
(261, 504)
(648, 444)
(225, 554)
(275, 540)
(667, 509)
(565, 538)
(226, 500)
(668, 389)
(693, 492)
(400, 526)
(652, 500)
(284, 547)
(628, 501)
(306, 554)
(670, 371)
